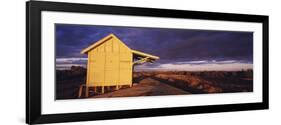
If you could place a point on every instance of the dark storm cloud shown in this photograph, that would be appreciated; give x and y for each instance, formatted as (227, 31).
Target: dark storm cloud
(211, 46)
(171, 45)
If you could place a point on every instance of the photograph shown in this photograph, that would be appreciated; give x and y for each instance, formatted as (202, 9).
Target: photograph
(101, 61)
(87, 61)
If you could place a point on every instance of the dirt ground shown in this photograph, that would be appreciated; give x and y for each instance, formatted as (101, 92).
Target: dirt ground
(146, 87)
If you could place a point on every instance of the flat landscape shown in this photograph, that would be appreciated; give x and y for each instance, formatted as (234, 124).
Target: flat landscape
(156, 83)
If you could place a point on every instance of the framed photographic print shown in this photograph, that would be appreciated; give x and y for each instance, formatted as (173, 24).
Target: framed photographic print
(95, 62)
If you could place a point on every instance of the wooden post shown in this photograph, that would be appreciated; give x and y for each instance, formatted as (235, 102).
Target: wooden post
(102, 89)
(87, 91)
(80, 91)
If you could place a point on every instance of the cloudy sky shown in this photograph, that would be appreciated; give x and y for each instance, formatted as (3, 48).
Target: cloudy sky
(178, 49)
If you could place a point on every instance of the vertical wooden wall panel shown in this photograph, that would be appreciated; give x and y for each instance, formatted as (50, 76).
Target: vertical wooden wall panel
(110, 64)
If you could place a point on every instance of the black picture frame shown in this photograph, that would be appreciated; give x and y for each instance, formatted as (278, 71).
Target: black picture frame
(33, 61)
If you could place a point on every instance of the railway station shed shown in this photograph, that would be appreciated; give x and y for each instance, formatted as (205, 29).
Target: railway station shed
(110, 64)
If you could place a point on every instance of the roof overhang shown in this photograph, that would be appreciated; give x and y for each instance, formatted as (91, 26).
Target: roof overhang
(144, 55)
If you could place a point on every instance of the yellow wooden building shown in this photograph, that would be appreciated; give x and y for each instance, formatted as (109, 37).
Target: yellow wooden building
(110, 63)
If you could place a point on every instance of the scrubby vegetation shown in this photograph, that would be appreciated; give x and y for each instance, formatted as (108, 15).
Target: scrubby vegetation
(68, 82)
(204, 81)
(201, 82)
